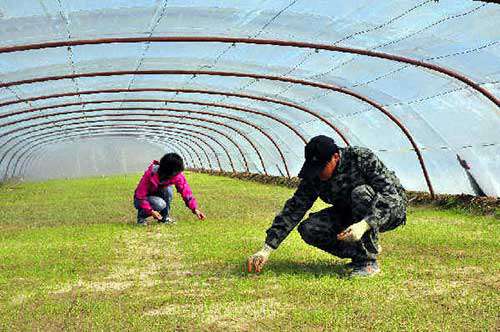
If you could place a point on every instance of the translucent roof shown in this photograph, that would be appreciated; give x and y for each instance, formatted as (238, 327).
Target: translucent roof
(242, 85)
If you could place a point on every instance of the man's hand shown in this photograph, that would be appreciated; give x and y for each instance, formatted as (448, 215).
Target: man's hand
(354, 232)
(156, 215)
(257, 261)
(199, 214)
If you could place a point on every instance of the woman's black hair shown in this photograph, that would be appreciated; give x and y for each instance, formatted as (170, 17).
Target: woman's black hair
(170, 164)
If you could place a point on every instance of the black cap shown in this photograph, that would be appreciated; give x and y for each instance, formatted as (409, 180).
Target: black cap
(318, 153)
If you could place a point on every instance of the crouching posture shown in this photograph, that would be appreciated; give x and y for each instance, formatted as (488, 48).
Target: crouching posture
(154, 193)
(366, 198)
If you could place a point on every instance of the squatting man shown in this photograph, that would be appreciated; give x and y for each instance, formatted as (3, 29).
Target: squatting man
(366, 198)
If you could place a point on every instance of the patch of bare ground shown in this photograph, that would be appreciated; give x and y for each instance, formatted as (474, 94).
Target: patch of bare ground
(466, 280)
(144, 260)
(235, 316)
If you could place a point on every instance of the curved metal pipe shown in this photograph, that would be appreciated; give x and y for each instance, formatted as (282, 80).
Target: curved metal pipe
(170, 129)
(197, 91)
(180, 143)
(33, 155)
(188, 153)
(41, 144)
(52, 123)
(32, 159)
(226, 106)
(255, 76)
(194, 151)
(29, 139)
(17, 154)
(200, 147)
(173, 101)
(232, 40)
(180, 102)
(175, 140)
(135, 128)
(175, 116)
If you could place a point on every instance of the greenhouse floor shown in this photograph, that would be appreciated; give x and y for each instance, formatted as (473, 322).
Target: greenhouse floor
(72, 258)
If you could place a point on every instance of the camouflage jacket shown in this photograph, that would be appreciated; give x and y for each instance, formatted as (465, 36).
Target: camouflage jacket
(357, 166)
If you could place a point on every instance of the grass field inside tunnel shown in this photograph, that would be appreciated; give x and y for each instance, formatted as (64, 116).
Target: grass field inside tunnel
(71, 257)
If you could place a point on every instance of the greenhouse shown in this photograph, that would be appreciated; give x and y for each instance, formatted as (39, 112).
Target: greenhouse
(92, 91)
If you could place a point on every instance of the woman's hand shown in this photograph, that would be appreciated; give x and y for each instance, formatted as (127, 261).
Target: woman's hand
(199, 214)
(156, 215)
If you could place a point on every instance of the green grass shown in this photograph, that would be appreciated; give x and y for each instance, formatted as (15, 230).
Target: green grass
(71, 258)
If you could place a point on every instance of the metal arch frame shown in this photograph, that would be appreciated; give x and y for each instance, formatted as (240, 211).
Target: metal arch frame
(386, 56)
(255, 41)
(174, 129)
(188, 153)
(51, 123)
(18, 156)
(187, 137)
(176, 116)
(188, 91)
(51, 133)
(331, 87)
(33, 156)
(41, 145)
(183, 143)
(141, 120)
(47, 134)
(175, 110)
(226, 106)
(170, 101)
(179, 141)
(147, 130)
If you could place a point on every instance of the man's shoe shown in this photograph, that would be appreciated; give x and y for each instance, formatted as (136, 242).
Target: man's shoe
(364, 268)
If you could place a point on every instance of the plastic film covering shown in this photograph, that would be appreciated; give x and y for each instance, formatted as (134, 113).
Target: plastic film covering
(98, 87)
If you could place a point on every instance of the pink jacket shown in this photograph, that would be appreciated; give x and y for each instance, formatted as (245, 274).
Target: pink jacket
(150, 184)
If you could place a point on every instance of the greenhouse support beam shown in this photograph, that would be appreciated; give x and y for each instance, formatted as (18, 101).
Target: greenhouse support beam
(19, 169)
(28, 140)
(325, 86)
(28, 136)
(166, 101)
(45, 116)
(187, 91)
(120, 119)
(232, 40)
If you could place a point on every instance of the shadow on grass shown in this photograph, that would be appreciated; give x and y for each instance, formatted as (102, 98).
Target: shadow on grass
(311, 268)
(291, 267)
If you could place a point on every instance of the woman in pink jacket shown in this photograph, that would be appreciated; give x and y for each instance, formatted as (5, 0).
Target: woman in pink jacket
(154, 193)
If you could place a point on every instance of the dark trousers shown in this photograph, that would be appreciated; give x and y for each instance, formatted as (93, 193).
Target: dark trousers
(320, 229)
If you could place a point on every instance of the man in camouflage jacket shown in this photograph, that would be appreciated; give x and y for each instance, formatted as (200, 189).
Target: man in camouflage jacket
(366, 197)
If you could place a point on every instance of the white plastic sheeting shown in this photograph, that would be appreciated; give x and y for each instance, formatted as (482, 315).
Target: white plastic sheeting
(444, 116)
